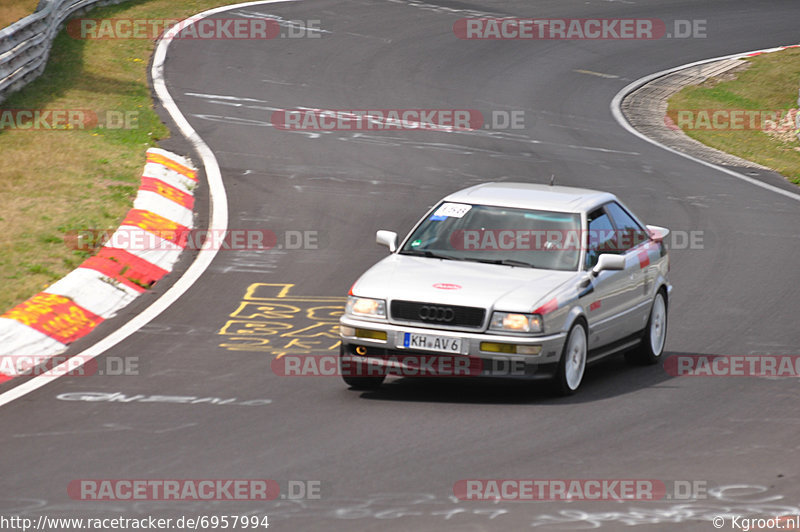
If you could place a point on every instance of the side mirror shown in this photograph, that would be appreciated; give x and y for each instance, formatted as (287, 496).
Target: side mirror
(607, 261)
(387, 238)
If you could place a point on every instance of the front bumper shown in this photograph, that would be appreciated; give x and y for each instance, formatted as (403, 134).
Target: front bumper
(490, 363)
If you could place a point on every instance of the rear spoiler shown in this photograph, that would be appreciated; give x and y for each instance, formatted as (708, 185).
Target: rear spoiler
(658, 234)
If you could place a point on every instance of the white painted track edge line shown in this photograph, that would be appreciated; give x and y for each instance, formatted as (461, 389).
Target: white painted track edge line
(616, 111)
(218, 222)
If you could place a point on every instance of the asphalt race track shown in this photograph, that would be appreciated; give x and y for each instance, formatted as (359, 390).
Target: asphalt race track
(388, 460)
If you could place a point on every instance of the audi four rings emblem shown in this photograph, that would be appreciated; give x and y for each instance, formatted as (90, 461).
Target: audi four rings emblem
(432, 313)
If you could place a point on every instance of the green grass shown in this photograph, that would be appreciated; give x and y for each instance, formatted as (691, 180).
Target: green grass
(770, 83)
(14, 10)
(53, 182)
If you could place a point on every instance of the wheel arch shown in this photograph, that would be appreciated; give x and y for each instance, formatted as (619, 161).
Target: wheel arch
(575, 314)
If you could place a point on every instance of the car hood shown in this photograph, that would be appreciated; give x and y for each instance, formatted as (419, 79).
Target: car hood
(473, 284)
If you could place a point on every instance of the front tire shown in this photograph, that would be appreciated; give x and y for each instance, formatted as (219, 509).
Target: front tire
(572, 365)
(655, 335)
(363, 383)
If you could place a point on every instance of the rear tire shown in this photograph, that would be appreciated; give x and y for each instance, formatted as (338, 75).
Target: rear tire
(572, 365)
(651, 348)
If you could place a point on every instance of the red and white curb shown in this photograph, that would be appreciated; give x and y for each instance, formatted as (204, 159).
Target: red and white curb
(770, 50)
(45, 325)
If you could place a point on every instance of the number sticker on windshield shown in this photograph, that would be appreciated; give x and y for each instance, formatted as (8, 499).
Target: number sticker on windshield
(451, 210)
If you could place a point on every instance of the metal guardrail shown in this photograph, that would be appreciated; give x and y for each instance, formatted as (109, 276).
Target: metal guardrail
(25, 45)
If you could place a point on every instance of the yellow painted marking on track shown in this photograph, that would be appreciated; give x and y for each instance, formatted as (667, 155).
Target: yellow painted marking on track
(273, 291)
(264, 310)
(270, 319)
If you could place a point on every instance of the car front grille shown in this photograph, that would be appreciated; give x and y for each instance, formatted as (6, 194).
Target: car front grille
(437, 314)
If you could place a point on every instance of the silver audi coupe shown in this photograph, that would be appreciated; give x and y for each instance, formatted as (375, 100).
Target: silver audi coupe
(510, 280)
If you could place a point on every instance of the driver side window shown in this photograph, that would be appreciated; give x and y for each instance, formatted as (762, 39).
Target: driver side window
(601, 237)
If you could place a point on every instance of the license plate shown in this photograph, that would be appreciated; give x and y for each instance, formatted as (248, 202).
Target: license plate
(429, 342)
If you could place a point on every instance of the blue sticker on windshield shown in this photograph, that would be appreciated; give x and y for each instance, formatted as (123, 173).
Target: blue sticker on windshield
(435, 218)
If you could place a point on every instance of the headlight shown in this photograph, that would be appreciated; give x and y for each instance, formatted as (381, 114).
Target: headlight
(512, 322)
(364, 306)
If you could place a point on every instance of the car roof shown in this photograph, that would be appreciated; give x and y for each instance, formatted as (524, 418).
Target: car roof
(532, 196)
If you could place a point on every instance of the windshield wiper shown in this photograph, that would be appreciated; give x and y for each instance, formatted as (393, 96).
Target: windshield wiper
(429, 254)
(505, 262)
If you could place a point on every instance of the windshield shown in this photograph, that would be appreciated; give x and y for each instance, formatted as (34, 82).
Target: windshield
(498, 235)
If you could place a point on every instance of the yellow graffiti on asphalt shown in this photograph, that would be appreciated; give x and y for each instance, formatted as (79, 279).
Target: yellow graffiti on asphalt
(270, 319)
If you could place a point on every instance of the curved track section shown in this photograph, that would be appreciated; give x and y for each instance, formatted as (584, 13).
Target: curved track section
(204, 402)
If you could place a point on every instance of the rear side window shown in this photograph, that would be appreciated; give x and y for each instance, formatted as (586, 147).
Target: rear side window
(629, 233)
